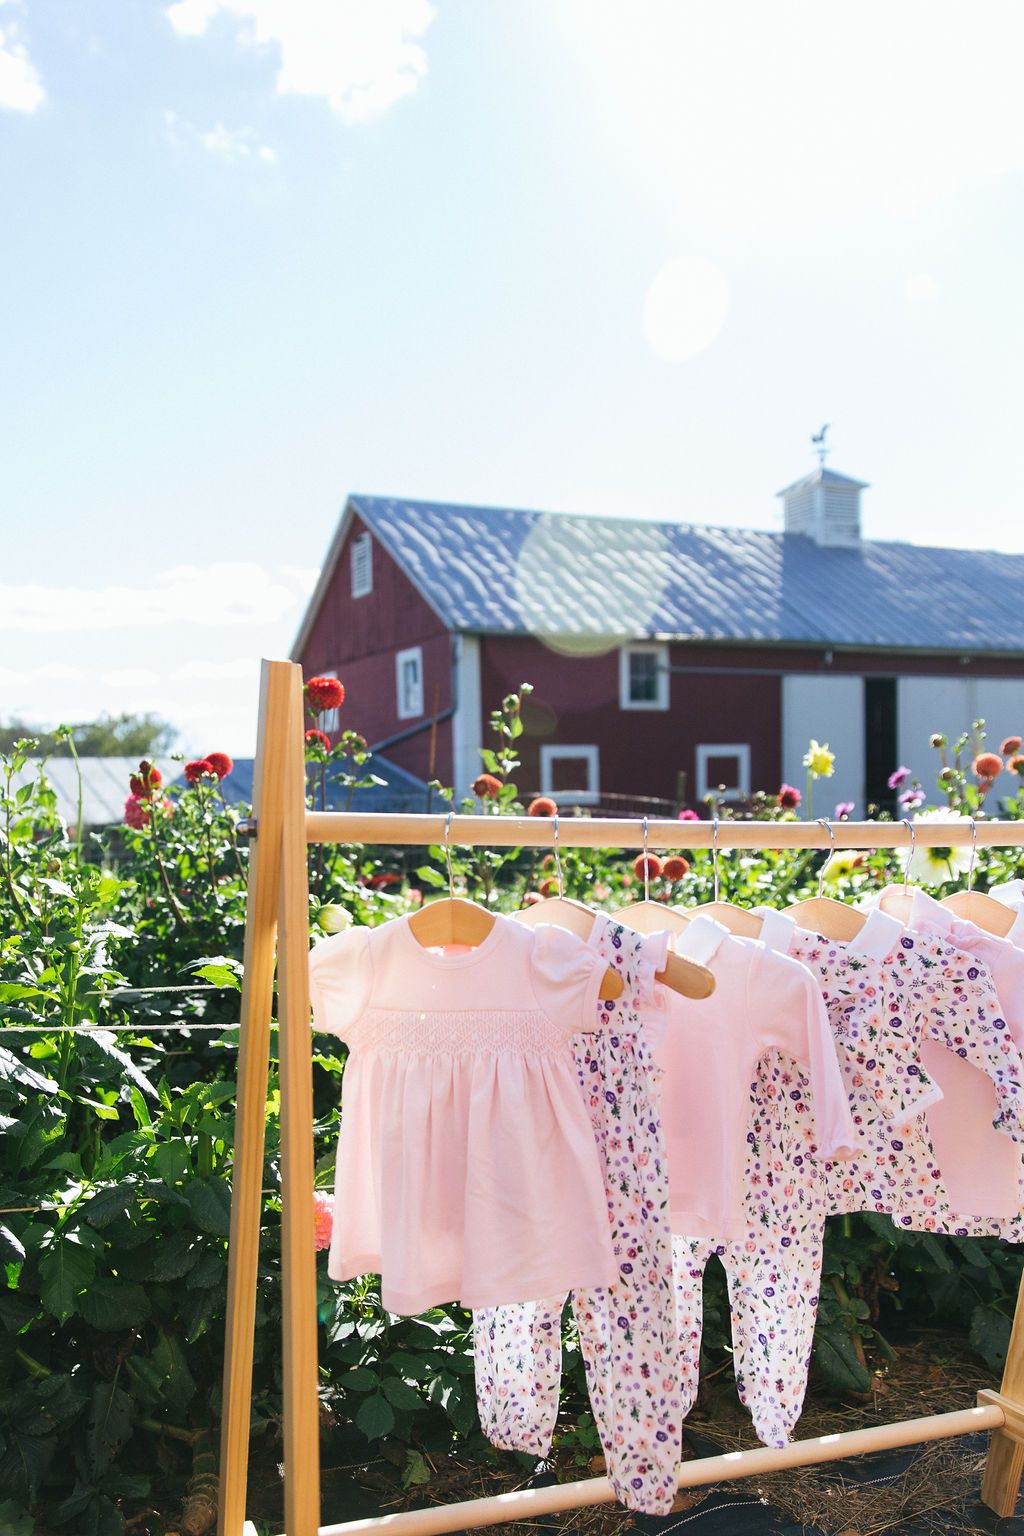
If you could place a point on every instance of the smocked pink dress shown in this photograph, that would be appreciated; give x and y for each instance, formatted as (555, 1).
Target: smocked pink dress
(467, 1168)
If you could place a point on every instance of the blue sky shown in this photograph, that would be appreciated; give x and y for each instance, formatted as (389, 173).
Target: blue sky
(588, 255)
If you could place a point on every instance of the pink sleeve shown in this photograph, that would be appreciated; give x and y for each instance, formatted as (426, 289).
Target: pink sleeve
(566, 976)
(797, 1022)
(340, 979)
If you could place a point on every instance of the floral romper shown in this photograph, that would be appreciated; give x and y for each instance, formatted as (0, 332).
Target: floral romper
(990, 986)
(774, 1271)
(627, 1330)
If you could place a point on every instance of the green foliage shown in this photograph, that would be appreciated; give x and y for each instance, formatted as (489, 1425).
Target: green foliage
(117, 1149)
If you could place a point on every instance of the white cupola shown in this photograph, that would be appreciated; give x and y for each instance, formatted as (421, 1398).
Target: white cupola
(824, 505)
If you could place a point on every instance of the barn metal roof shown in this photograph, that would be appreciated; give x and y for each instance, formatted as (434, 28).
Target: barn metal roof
(496, 570)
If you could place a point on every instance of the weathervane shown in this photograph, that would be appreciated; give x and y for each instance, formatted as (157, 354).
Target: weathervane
(818, 440)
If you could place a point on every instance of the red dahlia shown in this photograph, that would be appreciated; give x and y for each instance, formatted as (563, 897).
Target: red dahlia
(542, 806)
(325, 692)
(1010, 746)
(487, 787)
(194, 771)
(988, 765)
(220, 763)
(675, 868)
(318, 739)
(654, 866)
(788, 797)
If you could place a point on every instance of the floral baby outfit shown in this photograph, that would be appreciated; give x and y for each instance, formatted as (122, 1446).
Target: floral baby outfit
(964, 1153)
(774, 1269)
(983, 1173)
(627, 1329)
(466, 1163)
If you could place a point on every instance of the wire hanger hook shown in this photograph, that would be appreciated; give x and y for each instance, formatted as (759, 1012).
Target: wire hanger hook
(913, 849)
(558, 856)
(647, 867)
(448, 854)
(714, 851)
(823, 821)
(974, 853)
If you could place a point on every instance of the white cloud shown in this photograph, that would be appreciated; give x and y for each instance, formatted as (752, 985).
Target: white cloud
(922, 288)
(21, 89)
(750, 114)
(685, 308)
(360, 56)
(222, 595)
(228, 144)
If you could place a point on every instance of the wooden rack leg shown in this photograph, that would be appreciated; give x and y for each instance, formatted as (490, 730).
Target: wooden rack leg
(1004, 1465)
(262, 898)
(298, 1252)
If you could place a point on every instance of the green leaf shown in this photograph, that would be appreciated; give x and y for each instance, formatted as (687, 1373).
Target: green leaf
(428, 876)
(416, 1471)
(175, 1256)
(110, 1423)
(360, 1380)
(209, 1201)
(219, 976)
(110, 1303)
(12, 1249)
(14, 1070)
(375, 1417)
(179, 1385)
(210, 1270)
(108, 1204)
(990, 1334)
(15, 1521)
(65, 1271)
(837, 1359)
(140, 1109)
(171, 1160)
(400, 1395)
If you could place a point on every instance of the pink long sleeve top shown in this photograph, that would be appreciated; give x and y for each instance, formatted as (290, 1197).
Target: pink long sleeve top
(466, 1167)
(709, 1051)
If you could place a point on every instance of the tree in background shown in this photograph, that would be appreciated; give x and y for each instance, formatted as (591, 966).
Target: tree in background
(125, 735)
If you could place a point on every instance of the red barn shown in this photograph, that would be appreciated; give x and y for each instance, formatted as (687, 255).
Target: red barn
(666, 658)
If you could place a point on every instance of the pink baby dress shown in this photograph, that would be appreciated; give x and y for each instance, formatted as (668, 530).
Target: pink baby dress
(467, 1168)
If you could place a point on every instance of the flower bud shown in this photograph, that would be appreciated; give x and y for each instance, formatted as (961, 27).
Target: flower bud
(334, 919)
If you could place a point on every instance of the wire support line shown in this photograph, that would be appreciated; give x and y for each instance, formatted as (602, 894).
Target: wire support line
(113, 1029)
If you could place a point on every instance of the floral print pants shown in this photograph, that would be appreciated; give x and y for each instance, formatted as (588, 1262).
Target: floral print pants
(627, 1331)
(774, 1270)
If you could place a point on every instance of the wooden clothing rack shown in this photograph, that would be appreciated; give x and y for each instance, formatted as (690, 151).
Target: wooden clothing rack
(277, 919)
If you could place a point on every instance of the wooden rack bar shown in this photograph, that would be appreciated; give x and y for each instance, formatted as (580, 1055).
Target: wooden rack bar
(276, 916)
(412, 830)
(532, 1503)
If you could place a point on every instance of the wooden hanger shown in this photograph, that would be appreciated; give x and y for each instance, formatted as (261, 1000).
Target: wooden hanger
(978, 907)
(746, 925)
(680, 974)
(454, 920)
(824, 914)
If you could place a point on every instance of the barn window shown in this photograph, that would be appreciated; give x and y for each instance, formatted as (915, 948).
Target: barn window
(362, 565)
(725, 767)
(643, 677)
(570, 774)
(409, 683)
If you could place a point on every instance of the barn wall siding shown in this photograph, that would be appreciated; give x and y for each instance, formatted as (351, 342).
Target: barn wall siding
(358, 638)
(576, 702)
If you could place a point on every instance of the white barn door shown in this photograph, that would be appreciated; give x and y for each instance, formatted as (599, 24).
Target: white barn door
(829, 709)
